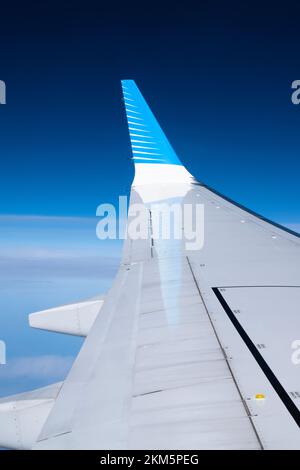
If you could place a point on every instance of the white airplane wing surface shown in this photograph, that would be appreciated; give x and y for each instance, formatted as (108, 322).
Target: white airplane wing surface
(195, 344)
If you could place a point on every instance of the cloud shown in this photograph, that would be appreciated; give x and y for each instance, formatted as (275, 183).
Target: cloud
(48, 247)
(38, 267)
(28, 373)
(48, 367)
(46, 261)
(17, 218)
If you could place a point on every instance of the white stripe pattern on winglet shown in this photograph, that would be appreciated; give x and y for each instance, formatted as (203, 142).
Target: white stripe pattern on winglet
(139, 130)
(139, 135)
(142, 141)
(134, 117)
(145, 153)
(149, 159)
(136, 123)
(146, 148)
(131, 111)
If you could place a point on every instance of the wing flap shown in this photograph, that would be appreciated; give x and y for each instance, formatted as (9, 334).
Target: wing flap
(23, 416)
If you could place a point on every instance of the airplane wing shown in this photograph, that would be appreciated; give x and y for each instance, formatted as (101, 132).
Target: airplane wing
(196, 343)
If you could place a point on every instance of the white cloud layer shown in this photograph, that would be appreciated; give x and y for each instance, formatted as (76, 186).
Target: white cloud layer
(36, 367)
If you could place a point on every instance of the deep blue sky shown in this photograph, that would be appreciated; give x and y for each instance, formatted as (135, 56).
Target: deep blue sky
(218, 77)
(216, 74)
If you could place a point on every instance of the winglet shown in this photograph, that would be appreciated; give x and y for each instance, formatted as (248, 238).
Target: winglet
(154, 158)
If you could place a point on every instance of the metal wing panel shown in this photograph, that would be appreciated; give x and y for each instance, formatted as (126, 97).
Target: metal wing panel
(254, 267)
(159, 345)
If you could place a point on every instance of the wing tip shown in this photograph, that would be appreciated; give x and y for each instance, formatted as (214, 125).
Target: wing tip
(127, 81)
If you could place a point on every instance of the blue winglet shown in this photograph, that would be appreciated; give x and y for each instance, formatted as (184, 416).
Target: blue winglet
(148, 141)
